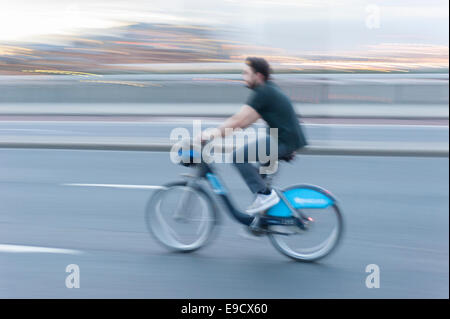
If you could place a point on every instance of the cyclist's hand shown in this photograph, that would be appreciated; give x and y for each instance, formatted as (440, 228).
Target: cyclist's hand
(210, 134)
(200, 139)
(206, 136)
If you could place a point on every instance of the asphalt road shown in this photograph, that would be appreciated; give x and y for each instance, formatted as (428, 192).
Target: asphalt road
(395, 209)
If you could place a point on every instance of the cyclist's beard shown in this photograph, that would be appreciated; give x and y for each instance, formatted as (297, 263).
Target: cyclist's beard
(249, 85)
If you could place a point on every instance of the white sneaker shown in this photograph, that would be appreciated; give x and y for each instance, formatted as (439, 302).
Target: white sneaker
(263, 202)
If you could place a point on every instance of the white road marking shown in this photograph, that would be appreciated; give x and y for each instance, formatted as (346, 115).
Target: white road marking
(117, 186)
(6, 248)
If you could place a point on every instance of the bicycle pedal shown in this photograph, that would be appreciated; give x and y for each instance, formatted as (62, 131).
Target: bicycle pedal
(245, 232)
(256, 231)
(256, 227)
(285, 230)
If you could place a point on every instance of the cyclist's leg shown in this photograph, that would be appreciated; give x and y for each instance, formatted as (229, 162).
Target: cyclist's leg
(269, 165)
(266, 197)
(242, 160)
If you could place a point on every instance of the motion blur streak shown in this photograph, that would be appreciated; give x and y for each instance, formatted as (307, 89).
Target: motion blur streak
(368, 77)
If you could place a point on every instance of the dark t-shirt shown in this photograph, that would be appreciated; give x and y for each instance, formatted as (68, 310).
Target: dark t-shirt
(276, 109)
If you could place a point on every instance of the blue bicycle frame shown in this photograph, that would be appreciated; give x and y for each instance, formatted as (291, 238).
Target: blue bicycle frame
(286, 212)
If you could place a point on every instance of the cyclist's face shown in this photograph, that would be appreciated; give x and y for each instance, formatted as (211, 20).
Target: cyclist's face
(249, 76)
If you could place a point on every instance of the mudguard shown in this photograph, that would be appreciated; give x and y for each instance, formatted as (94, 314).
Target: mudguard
(302, 197)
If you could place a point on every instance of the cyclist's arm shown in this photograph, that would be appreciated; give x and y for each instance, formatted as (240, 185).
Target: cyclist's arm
(242, 119)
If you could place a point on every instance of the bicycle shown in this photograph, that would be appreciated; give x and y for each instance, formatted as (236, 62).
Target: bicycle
(302, 209)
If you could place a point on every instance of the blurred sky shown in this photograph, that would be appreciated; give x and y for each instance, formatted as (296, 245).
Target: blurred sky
(306, 25)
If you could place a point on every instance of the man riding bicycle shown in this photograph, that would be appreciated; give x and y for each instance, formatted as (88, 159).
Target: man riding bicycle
(268, 102)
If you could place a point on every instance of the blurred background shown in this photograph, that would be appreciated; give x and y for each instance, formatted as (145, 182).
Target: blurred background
(80, 81)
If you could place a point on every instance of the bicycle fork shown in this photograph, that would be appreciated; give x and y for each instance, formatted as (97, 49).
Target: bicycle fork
(183, 209)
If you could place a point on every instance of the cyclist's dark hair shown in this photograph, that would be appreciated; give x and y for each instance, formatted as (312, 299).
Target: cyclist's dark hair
(259, 65)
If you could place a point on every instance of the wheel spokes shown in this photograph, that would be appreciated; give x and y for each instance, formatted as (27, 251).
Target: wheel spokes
(168, 207)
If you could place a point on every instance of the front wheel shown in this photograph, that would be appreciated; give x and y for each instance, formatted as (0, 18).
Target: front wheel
(181, 217)
(325, 224)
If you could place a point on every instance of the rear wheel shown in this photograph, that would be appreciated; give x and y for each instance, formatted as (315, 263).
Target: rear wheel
(323, 233)
(181, 217)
